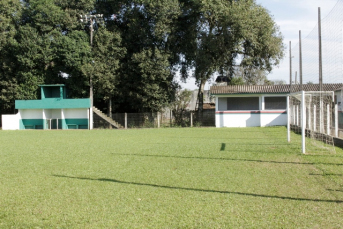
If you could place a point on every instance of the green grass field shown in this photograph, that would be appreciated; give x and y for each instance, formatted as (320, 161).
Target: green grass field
(167, 178)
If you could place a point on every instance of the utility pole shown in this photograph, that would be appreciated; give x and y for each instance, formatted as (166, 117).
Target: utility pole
(91, 19)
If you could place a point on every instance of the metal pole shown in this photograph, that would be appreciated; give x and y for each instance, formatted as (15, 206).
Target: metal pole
(288, 121)
(336, 120)
(303, 121)
(298, 122)
(191, 119)
(158, 119)
(320, 51)
(90, 79)
(125, 120)
(290, 66)
(321, 115)
(300, 63)
(328, 124)
(314, 118)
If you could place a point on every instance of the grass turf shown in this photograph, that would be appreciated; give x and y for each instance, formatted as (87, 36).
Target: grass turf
(167, 178)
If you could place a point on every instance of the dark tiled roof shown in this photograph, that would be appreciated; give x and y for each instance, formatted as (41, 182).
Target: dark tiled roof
(277, 89)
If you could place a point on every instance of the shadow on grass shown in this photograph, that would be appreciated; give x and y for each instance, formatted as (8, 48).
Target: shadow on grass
(248, 147)
(199, 190)
(325, 174)
(334, 190)
(227, 159)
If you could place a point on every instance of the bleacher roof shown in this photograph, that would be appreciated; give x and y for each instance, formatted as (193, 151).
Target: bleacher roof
(270, 89)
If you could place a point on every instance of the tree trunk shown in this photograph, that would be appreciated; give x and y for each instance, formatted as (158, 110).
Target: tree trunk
(201, 100)
(109, 110)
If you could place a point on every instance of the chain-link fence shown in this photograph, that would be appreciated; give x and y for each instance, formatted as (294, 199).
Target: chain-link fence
(159, 120)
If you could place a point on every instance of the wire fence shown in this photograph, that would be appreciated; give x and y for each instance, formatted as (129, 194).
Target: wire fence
(159, 120)
(306, 53)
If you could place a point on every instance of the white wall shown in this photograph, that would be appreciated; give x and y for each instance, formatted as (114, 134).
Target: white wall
(225, 118)
(56, 113)
(273, 118)
(338, 94)
(52, 114)
(31, 114)
(75, 113)
(47, 114)
(10, 122)
(237, 119)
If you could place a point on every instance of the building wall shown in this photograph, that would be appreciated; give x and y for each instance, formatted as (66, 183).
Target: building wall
(339, 101)
(273, 118)
(43, 119)
(75, 118)
(31, 119)
(248, 118)
(237, 118)
(10, 122)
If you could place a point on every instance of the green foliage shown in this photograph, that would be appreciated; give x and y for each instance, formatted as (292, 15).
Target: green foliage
(107, 53)
(147, 83)
(10, 12)
(219, 35)
(137, 51)
(146, 78)
(179, 106)
(237, 81)
(251, 75)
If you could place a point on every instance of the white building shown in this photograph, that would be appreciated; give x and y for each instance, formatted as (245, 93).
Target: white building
(256, 105)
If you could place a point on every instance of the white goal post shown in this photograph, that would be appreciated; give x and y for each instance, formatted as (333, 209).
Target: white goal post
(312, 114)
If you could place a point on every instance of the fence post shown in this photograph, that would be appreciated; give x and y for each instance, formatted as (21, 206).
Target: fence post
(336, 120)
(125, 120)
(298, 123)
(191, 118)
(314, 118)
(328, 129)
(288, 121)
(303, 121)
(158, 119)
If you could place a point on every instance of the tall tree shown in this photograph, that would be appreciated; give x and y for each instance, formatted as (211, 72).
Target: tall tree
(107, 52)
(10, 15)
(219, 35)
(146, 79)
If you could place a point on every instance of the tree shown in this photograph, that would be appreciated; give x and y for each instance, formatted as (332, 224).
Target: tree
(10, 13)
(107, 52)
(224, 35)
(237, 81)
(251, 75)
(180, 104)
(146, 78)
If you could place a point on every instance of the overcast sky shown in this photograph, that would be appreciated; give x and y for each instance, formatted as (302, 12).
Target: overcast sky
(291, 16)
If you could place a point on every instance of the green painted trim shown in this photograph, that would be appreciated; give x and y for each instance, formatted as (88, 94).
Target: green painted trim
(77, 123)
(53, 103)
(62, 124)
(51, 85)
(31, 124)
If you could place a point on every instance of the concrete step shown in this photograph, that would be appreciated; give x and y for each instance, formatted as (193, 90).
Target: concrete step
(106, 118)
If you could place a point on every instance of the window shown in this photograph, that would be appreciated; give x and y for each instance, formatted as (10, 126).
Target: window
(243, 103)
(275, 103)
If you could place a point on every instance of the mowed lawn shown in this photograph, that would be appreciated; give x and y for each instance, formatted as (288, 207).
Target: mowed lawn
(167, 178)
